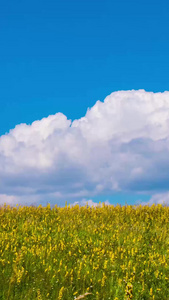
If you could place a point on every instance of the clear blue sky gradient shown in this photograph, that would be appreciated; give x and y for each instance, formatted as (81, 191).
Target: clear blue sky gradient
(62, 56)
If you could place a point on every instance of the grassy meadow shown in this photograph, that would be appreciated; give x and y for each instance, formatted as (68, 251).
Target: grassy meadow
(107, 252)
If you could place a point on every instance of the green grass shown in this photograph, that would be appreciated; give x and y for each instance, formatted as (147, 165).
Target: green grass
(106, 252)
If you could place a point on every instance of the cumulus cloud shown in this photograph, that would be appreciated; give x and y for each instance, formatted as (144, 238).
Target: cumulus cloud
(121, 144)
(90, 203)
(159, 198)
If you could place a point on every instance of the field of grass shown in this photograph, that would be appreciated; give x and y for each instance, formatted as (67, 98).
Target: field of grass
(108, 252)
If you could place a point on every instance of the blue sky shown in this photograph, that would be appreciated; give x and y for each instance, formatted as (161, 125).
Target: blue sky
(63, 56)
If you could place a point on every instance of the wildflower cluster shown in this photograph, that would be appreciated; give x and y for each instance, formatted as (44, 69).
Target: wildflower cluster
(106, 252)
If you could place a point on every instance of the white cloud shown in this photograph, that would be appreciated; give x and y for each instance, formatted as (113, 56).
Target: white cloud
(90, 203)
(159, 198)
(121, 144)
(14, 200)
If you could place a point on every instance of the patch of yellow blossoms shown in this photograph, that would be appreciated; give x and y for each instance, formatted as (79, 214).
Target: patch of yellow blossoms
(108, 252)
